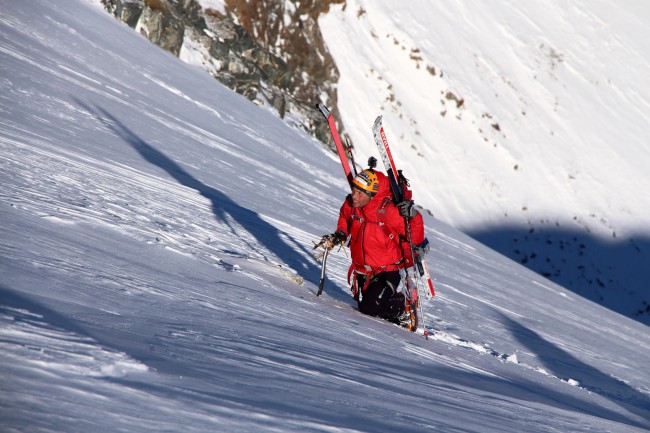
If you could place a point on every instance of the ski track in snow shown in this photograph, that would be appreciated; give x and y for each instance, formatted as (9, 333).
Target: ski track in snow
(112, 203)
(58, 351)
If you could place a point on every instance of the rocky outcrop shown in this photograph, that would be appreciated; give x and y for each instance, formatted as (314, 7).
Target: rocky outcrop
(270, 51)
(163, 22)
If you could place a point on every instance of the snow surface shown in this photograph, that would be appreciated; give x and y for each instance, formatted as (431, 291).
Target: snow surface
(565, 82)
(157, 272)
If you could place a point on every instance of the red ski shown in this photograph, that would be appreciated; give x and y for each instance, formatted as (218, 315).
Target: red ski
(337, 141)
(398, 191)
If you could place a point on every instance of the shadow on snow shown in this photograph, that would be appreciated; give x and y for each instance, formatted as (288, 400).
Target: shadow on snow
(223, 386)
(223, 206)
(564, 365)
(614, 274)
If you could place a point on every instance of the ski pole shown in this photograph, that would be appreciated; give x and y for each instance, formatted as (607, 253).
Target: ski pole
(322, 273)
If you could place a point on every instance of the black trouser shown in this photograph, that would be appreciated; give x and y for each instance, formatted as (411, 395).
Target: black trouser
(380, 298)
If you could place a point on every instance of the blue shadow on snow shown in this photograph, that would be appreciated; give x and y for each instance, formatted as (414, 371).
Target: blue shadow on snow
(614, 274)
(565, 366)
(222, 205)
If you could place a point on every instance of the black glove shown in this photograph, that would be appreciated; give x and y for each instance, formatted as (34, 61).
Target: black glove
(422, 249)
(338, 237)
(406, 209)
(329, 241)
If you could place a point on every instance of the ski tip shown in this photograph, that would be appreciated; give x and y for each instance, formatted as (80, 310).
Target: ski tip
(377, 125)
(323, 109)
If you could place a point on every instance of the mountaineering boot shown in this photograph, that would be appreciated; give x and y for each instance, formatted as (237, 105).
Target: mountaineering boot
(409, 319)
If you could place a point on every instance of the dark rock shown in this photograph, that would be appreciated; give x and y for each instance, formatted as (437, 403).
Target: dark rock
(286, 64)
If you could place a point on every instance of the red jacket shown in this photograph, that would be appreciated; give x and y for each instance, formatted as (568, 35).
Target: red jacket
(372, 250)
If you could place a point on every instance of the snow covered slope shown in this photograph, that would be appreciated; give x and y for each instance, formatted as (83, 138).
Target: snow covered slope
(527, 124)
(551, 93)
(155, 227)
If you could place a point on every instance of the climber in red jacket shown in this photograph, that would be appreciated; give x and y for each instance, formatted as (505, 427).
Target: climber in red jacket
(375, 229)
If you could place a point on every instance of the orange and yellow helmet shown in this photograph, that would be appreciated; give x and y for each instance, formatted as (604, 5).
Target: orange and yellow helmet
(367, 181)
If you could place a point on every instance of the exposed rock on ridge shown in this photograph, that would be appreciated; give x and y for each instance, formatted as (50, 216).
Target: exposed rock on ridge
(270, 51)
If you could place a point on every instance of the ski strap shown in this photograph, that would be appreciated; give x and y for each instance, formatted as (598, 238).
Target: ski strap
(381, 219)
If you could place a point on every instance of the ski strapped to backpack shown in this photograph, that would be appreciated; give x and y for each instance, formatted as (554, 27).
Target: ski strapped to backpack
(344, 153)
(340, 148)
(397, 186)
